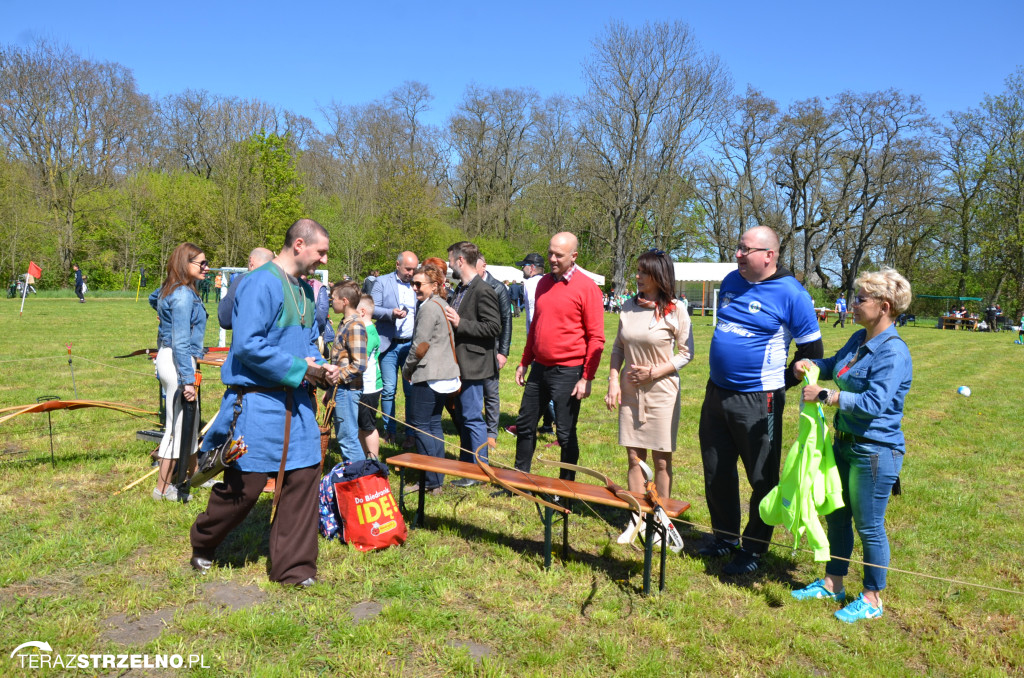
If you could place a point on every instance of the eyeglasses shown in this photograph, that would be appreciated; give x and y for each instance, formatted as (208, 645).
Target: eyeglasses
(201, 264)
(860, 300)
(744, 250)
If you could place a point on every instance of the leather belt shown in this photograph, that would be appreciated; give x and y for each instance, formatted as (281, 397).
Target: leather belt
(844, 437)
(401, 341)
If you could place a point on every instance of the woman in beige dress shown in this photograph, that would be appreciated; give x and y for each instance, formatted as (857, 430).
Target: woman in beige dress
(653, 343)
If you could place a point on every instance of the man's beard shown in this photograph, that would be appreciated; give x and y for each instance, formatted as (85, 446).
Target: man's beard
(456, 274)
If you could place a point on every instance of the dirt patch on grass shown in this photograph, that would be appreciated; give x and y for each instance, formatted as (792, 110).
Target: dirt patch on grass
(365, 611)
(127, 631)
(477, 651)
(233, 596)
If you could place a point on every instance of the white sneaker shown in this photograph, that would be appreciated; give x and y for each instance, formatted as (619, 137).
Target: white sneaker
(158, 495)
(632, 529)
(171, 494)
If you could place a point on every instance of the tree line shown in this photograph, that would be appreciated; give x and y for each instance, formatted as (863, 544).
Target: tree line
(658, 152)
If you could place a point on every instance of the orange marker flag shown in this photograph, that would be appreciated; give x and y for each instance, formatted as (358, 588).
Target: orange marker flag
(34, 270)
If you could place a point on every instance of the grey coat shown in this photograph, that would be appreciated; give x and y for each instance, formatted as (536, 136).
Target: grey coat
(431, 356)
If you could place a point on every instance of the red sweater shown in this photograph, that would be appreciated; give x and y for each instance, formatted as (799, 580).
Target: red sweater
(568, 324)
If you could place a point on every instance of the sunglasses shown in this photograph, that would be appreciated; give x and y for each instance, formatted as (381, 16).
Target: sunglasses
(201, 264)
(418, 284)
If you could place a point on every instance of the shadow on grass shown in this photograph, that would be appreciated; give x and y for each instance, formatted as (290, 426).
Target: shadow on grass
(620, 570)
(250, 540)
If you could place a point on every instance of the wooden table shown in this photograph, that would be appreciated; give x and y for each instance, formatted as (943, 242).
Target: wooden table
(952, 322)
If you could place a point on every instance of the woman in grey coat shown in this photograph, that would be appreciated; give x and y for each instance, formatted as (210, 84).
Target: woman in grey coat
(431, 368)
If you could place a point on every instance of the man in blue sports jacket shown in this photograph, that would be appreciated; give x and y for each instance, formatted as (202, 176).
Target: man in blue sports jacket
(761, 308)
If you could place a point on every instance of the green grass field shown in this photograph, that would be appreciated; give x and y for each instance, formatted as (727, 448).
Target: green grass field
(90, 572)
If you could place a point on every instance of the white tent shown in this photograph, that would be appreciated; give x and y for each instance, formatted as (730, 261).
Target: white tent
(506, 273)
(702, 272)
(513, 274)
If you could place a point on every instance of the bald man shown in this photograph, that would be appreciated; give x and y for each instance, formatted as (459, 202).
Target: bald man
(257, 258)
(395, 312)
(563, 350)
(761, 307)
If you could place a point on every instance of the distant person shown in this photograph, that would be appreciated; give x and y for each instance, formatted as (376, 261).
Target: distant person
(180, 343)
(873, 372)
(653, 343)
(395, 312)
(761, 306)
(562, 353)
(684, 303)
(516, 297)
(841, 311)
(369, 282)
(258, 257)
(79, 284)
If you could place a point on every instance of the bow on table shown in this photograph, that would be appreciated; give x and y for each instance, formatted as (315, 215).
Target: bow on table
(609, 485)
(48, 405)
(489, 472)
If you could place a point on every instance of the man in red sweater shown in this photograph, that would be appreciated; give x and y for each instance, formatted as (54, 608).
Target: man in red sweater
(563, 350)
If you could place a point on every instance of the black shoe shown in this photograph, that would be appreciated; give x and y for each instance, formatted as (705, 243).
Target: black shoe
(717, 548)
(546, 429)
(306, 583)
(200, 565)
(466, 482)
(744, 562)
(501, 493)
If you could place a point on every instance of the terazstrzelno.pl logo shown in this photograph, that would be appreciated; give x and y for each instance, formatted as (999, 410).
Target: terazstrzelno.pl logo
(38, 655)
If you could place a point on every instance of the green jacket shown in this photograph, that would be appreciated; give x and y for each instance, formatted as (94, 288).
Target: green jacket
(810, 484)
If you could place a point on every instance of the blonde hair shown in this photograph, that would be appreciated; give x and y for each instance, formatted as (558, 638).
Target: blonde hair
(886, 285)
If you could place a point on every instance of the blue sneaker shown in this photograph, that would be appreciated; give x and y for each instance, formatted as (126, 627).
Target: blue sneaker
(859, 609)
(816, 591)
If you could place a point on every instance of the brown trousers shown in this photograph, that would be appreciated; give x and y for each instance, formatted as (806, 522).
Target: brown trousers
(293, 534)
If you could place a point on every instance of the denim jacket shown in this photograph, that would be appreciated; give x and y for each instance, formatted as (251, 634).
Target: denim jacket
(182, 328)
(872, 390)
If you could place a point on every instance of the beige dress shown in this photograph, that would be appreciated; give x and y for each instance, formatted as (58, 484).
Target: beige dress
(649, 413)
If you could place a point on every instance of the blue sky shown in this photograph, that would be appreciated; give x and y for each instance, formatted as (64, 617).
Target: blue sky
(298, 55)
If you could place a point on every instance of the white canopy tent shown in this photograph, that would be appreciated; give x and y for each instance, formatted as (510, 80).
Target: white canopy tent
(513, 274)
(710, 277)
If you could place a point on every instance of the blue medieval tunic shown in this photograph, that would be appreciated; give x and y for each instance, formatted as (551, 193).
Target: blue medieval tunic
(269, 346)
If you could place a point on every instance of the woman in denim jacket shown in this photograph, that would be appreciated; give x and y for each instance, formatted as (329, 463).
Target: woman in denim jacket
(180, 340)
(873, 372)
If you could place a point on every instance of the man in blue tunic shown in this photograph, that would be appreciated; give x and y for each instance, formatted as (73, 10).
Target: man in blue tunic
(272, 352)
(761, 308)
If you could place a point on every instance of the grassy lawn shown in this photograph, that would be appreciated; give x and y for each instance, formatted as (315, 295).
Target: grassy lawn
(90, 572)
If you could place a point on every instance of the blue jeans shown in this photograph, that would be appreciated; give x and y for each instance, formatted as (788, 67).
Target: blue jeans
(472, 429)
(868, 472)
(390, 372)
(346, 423)
(425, 407)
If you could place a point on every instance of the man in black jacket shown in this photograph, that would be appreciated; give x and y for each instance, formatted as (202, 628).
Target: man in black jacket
(492, 401)
(476, 320)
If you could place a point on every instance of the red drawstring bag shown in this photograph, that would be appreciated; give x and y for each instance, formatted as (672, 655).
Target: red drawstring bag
(370, 517)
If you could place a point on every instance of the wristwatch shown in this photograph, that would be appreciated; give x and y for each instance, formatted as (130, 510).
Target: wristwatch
(823, 395)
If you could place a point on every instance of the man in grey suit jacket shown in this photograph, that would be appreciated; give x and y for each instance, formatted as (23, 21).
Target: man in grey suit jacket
(394, 310)
(475, 316)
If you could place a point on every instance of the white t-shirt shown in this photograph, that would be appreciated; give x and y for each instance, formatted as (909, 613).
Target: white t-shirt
(530, 290)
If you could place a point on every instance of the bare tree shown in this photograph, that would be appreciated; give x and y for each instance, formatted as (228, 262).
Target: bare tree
(75, 122)
(652, 95)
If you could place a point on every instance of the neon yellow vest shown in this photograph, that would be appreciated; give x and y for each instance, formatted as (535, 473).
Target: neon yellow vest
(809, 485)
